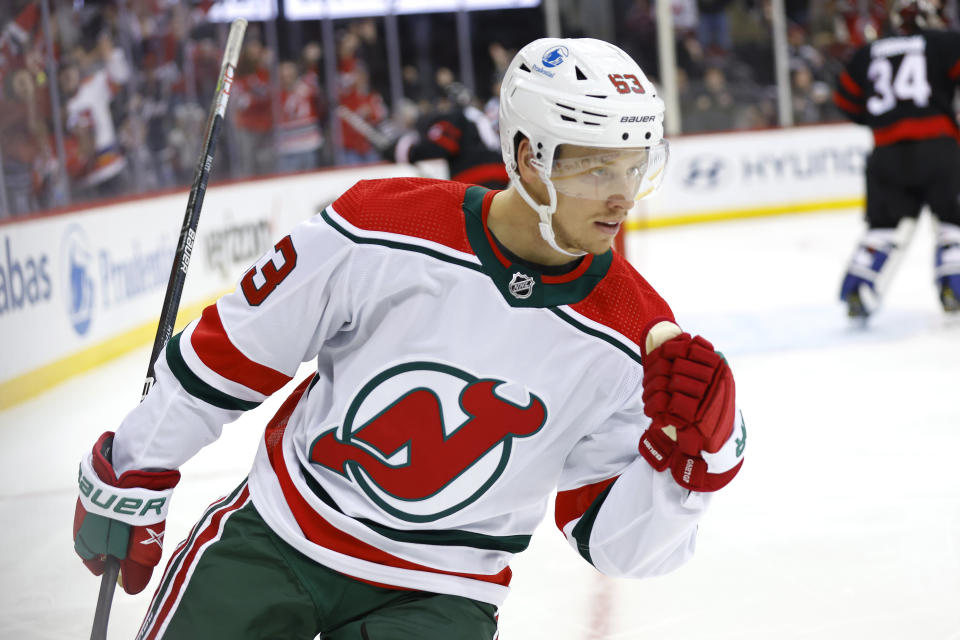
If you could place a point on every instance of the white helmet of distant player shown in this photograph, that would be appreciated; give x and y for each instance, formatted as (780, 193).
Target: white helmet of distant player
(583, 93)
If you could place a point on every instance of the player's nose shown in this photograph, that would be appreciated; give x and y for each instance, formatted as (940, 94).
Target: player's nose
(619, 202)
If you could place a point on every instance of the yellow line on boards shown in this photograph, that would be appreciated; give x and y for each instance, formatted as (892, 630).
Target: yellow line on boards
(35, 382)
(634, 224)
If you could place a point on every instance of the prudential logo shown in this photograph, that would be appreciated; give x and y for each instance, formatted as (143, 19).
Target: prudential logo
(76, 262)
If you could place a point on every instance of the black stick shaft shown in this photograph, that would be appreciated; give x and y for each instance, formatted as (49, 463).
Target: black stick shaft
(178, 275)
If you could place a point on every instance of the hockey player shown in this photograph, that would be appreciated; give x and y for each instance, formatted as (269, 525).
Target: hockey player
(459, 133)
(902, 87)
(475, 351)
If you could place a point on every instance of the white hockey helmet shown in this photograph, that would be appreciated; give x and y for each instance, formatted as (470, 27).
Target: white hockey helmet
(582, 92)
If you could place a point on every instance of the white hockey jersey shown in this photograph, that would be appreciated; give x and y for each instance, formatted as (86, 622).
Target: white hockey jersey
(454, 392)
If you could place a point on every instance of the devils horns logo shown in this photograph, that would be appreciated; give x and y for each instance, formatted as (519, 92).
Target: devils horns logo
(424, 440)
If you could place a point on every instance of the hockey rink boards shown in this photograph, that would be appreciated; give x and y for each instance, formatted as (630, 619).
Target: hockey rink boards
(843, 524)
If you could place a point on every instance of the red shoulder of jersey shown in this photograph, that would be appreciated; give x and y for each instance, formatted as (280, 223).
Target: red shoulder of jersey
(416, 207)
(624, 301)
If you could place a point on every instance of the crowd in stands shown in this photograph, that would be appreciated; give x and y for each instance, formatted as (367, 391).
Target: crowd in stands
(109, 98)
(725, 56)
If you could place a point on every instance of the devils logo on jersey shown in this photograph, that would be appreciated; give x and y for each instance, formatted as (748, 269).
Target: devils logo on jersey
(424, 440)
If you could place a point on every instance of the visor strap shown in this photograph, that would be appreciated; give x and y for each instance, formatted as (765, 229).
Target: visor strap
(546, 211)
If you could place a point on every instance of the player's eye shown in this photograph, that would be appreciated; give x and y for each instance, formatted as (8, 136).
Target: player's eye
(602, 173)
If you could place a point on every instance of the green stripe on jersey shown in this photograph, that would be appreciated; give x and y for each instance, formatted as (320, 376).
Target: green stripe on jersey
(597, 334)
(583, 529)
(394, 244)
(197, 387)
(438, 537)
(548, 296)
(453, 538)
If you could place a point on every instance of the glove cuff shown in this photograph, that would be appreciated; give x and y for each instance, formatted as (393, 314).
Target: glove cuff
(102, 462)
(731, 452)
(691, 473)
(125, 499)
(712, 471)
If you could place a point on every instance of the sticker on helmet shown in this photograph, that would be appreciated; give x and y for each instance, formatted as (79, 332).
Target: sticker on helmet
(619, 81)
(555, 56)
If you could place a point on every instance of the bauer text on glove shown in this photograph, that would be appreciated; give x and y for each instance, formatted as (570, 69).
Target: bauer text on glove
(121, 517)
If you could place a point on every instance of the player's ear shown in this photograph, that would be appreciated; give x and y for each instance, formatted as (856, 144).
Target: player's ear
(528, 173)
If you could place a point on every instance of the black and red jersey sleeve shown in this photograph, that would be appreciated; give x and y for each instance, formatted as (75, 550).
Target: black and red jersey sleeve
(850, 93)
(442, 138)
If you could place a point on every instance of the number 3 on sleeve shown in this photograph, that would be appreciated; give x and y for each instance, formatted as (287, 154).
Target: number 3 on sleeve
(271, 275)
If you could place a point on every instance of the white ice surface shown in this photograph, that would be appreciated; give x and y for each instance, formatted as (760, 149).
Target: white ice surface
(844, 523)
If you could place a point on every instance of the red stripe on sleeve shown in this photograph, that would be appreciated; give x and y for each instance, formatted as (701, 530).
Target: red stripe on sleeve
(916, 129)
(954, 71)
(484, 174)
(845, 104)
(213, 347)
(572, 504)
(446, 135)
(850, 85)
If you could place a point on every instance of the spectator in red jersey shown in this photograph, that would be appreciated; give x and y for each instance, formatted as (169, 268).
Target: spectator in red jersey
(299, 137)
(368, 105)
(253, 115)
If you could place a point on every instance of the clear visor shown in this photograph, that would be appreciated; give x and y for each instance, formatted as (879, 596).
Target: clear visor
(627, 174)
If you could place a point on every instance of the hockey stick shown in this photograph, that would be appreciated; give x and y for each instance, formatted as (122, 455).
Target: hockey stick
(178, 273)
(373, 135)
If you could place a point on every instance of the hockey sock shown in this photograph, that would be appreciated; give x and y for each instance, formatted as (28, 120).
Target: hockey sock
(947, 266)
(873, 264)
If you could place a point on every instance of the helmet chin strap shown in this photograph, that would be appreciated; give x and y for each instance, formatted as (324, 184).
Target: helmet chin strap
(545, 213)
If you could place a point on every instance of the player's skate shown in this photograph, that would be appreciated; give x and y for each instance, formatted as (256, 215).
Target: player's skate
(947, 270)
(871, 267)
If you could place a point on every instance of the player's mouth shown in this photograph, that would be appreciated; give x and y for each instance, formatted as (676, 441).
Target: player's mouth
(609, 228)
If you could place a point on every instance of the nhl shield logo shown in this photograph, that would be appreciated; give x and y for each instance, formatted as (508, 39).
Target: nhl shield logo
(521, 285)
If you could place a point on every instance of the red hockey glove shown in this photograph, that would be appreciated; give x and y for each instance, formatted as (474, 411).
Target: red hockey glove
(121, 517)
(688, 393)
(688, 385)
(703, 472)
